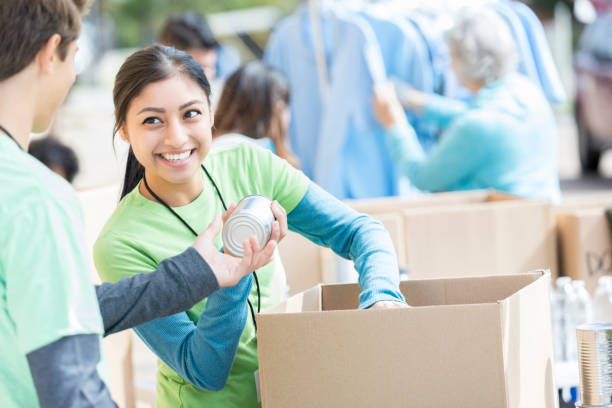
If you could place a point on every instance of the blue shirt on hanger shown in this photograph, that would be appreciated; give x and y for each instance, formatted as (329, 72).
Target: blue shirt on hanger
(291, 50)
(353, 160)
(548, 75)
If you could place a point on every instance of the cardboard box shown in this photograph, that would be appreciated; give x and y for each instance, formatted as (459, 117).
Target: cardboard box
(472, 233)
(480, 238)
(584, 235)
(467, 342)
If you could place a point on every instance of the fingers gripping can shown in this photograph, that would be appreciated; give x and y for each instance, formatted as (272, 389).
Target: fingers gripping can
(252, 216)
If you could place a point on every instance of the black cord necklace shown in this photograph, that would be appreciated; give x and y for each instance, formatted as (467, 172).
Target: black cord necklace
(181, 219)
(6, 132)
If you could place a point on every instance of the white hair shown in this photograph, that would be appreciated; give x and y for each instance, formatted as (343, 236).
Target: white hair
(482, 45)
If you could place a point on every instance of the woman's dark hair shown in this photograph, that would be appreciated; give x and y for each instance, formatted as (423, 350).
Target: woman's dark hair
(249, 105)
(152, 64)
(188, 30)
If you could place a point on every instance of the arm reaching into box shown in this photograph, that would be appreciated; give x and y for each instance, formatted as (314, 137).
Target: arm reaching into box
(326, 221)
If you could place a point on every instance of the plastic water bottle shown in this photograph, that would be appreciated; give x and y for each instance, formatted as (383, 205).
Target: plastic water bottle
(567, 299)
(602, 301)
(582, 313)
(556, 314)
(584, 304)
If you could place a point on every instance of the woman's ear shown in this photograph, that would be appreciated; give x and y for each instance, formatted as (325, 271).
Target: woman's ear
(211, 114)
(123, 134)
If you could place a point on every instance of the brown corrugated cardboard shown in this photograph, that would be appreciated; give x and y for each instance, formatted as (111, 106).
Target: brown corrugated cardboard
(467, 342)
(585, 244)
(470, 233)
(479, 239)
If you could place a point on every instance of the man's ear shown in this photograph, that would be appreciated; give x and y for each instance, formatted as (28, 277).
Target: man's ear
(123, 134)
(48, 54)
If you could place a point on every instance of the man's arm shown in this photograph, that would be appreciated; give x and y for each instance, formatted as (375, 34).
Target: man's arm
(178, 283)
(65, 373)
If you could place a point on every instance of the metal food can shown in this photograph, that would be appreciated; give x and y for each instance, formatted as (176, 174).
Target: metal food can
(252, 216)
(595, 363)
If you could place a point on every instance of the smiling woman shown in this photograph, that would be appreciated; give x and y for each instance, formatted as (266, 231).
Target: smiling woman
(174, 187)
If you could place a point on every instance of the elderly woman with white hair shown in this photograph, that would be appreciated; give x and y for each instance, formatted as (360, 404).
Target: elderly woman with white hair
(504, 139)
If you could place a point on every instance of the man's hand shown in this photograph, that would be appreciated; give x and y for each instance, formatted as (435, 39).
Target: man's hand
(227, 268)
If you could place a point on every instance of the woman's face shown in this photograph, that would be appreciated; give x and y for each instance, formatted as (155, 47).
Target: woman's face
(168, 126)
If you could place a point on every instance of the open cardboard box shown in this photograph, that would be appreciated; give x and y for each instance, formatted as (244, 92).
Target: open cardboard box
(466, 342)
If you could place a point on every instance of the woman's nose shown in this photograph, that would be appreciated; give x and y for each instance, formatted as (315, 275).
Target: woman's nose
(176, 135)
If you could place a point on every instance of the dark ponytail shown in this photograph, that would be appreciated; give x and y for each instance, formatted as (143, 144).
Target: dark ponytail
(134, 172)
(152, 64)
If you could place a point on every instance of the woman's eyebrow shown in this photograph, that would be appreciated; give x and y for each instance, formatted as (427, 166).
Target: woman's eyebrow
(151, 109)
(183, 106)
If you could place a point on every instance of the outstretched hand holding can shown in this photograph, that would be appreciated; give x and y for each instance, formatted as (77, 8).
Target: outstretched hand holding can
(229, 269)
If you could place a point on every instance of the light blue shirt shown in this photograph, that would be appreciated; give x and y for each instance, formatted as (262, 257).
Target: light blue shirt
(505, 140)
(290, 50)
(547, 72)
(203, 353)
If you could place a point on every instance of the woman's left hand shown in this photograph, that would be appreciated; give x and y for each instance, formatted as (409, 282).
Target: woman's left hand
(281, 218)
(390, 304)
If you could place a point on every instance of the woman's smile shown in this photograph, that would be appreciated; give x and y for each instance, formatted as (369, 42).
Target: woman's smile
(176, 158)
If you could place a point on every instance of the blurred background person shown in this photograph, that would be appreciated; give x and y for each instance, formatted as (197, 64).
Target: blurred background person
(504, 139)
(58, 157)
(254, 106)
(190, 32)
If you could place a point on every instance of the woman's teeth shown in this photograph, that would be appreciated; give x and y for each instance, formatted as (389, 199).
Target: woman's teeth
(176, 157)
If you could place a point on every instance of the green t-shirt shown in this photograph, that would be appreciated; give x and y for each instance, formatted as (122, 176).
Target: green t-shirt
(141, 233)
(45, 291)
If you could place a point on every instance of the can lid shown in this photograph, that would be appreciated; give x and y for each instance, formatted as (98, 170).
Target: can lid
(594, 326)
(240, 228)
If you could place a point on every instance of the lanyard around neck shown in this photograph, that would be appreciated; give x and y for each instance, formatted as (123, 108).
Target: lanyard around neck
(181, 219)
(10, 136)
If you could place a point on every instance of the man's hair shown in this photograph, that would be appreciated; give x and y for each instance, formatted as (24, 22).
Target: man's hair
(25, 26)
(187, 30)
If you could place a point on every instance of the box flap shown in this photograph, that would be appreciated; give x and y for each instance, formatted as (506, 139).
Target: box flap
(308, 301)
(464, 291)
(527, 347)
(433, 292)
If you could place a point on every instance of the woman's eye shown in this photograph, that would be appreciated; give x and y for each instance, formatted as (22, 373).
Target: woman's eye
(151, 121)
(192, 113)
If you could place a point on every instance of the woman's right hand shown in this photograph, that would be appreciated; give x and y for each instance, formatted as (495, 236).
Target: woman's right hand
(229, 269)
(387, 108)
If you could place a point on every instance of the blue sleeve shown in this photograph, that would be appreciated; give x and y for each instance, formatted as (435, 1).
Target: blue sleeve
(328, 222)
(442, 111)
(454, 159)
(202, 353)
